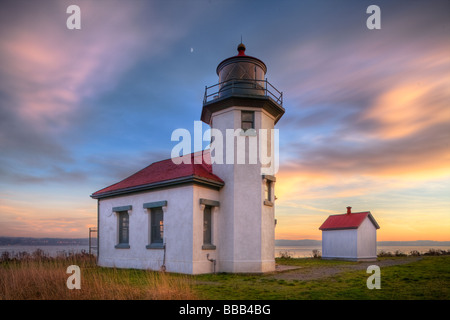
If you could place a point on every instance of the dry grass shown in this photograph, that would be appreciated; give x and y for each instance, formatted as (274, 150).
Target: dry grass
(43, 278)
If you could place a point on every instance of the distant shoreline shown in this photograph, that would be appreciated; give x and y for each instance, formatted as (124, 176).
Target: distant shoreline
(309, 242)
(29, 241)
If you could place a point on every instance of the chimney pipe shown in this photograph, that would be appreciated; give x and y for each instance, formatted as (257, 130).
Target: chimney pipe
(349, 210)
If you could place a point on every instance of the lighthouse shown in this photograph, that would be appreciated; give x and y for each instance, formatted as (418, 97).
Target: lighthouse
(209, 214)
(244, 103)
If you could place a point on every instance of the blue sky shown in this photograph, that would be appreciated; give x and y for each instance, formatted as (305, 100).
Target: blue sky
(366, 120)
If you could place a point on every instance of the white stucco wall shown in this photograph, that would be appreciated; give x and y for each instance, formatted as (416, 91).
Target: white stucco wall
(268, 212)
(177, 231)
(222, 121)
(201, 264)
(183, 231)
(247, 237)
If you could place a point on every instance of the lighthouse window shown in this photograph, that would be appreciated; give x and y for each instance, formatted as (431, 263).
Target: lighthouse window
(157, 225)
(268, 185)
(247, 120)
(268, 190)
(207, 225)
(124, 221)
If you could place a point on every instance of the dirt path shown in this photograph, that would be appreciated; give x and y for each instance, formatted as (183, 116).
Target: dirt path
(311, 273)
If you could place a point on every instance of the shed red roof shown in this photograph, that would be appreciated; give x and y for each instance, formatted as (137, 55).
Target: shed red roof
(347, 221)
(163, 173)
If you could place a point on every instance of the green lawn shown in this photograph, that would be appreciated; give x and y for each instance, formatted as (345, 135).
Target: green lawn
(428, 278)
(423, 278)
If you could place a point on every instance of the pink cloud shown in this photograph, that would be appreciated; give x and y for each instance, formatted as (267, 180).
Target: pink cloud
(49, 69)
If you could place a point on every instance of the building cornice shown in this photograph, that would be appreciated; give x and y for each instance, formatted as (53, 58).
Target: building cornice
(162, 184)
(256, 101)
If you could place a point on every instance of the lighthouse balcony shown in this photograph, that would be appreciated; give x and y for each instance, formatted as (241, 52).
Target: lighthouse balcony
(242, 88)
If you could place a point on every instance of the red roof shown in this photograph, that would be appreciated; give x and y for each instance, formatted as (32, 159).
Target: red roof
(163, 173)
(347, 221)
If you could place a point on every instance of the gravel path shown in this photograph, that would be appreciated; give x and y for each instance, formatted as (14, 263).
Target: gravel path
(311, 273)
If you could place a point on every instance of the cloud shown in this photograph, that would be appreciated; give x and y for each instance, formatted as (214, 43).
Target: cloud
(48, 174)
(366, 125)
(47, 220)
(112, 168)
(51, 80)
(49, 72)
(408, 109)
(376, 104)
(49, 69)
(366, 111)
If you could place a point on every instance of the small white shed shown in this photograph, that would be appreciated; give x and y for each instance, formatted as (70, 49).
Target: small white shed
(350, 236)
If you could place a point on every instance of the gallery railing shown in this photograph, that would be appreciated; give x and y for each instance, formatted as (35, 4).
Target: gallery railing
(242, 87)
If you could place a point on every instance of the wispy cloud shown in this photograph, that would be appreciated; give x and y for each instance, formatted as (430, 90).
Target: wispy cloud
(49, 77)
(367, 122)
(48, 72)
(366, 111)
(372, 105)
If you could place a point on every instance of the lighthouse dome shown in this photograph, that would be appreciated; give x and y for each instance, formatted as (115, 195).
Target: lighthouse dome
(241, 66)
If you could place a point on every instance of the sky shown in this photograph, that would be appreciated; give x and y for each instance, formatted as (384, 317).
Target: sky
(367, 120)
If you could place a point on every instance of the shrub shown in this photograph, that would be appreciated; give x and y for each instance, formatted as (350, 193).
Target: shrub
(316, 254)
(436, 252)
(285, 255)
(383, 253)
(415, 253)
(398, 253)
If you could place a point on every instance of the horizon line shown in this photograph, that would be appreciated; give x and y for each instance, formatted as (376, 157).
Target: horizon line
(275, 239)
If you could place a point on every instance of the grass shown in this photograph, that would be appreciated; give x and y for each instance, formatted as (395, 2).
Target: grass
(428, 278)
(43, 278)
(40, 277)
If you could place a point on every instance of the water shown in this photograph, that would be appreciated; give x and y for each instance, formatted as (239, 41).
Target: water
(293, 251)
(52, 251)
(296, 251)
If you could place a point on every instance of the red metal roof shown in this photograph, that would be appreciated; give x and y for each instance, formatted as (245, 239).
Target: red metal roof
(347, 221)
(164, 171)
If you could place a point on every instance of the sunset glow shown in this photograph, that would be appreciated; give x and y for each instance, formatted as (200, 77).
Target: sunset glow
(367, 120)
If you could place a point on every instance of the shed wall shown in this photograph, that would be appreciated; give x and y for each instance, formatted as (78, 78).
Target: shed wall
(339, 244)
(367, 240)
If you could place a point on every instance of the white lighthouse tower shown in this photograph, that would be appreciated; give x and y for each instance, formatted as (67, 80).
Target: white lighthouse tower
(244, 107)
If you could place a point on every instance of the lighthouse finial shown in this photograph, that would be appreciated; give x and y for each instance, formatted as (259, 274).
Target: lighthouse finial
(241, 48)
